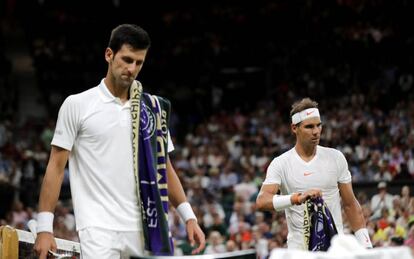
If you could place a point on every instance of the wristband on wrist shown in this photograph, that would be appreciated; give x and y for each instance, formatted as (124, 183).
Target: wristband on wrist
(281, 202)
(363, 237)
(45, 222)
(295, 199)
(186, 212)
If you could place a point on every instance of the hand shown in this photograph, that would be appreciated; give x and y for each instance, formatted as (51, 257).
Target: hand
(45, 241)
(310, 194)
(195, 234)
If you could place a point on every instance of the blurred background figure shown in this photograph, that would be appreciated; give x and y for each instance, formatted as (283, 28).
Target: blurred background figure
(381, 202)
(215, 244)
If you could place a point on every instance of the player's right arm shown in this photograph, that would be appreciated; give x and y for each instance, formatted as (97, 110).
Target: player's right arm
(264, 199)
(269, 200)
(49, 194)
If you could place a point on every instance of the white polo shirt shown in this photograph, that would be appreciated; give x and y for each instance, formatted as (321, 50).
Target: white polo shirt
(96, 127)
(293, 174)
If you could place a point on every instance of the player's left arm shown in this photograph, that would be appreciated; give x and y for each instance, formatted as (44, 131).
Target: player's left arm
(178, 199)
(354, 214)
(176, 193)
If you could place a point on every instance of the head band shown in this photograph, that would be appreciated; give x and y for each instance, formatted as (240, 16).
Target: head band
(305, 114)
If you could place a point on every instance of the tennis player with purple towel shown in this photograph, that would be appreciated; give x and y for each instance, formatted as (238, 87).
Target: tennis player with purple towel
(308, 171)
(117, 141)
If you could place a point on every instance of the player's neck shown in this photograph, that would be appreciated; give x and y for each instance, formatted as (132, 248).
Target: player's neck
(305, 152)
(117, 91)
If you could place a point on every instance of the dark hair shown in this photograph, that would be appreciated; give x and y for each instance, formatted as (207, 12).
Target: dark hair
(303, 104)
(399, 241)
(130, 34)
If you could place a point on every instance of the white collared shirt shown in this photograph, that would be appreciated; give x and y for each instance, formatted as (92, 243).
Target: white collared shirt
(96, 127)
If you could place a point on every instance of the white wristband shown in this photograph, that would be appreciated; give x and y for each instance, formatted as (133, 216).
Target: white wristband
(45, 222)
(186, 212)
(363, 237)
(281, 202)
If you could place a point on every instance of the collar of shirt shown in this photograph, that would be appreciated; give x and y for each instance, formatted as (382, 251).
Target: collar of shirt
(107, 96)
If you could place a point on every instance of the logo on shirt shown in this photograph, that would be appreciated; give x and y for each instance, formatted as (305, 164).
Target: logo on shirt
(147, 120)
(307, 173)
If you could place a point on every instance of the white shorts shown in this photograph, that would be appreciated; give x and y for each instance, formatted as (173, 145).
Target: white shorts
(103, 243)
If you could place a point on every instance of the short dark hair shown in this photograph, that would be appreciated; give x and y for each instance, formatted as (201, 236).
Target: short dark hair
(130, 34)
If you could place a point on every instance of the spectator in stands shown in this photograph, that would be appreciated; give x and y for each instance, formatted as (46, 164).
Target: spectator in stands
(384, 221)
(383, 175)
(259, 242)
(210, 209)
(381, 200)
(403, 173)
(406, 198)
(363, 174)
(228, 177)
(409, 159)
(218, 225)
(396, 211)
(396, 160)
(67, 217)
(246, 188)
(94, 130)
(231, 246)
(215, 244)
(20, 216)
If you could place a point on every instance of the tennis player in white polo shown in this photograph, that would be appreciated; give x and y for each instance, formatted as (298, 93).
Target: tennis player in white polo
(306, 171)
(98, 131)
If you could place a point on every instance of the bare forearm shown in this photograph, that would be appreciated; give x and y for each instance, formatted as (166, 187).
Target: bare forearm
(352, 208)
(267, 200)
(52, 181)
(176, 192)
(50, 190)
(355, 216)
(264, 201)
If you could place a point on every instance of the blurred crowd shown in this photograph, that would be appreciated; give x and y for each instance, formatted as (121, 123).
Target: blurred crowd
(205, 54)
(232, 70)
(223, 162)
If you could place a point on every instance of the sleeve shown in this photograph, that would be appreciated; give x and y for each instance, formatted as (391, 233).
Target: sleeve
(274, 173)
(344, 175)
(170, 143)
(67, 124)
